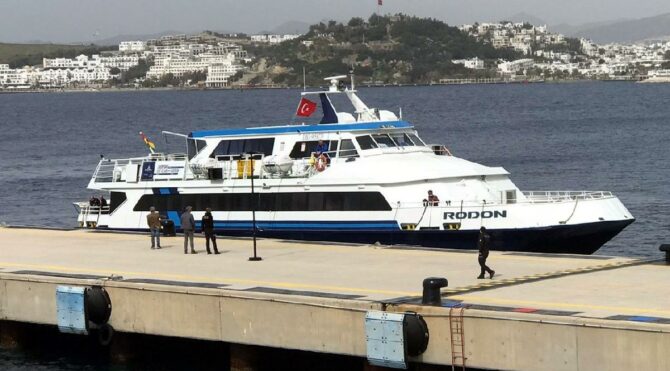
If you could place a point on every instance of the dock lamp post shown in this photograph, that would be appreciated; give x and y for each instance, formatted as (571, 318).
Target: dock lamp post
(249, 156)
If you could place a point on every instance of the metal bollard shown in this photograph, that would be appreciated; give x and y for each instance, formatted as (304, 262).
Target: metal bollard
(431, 290)
(666, 248)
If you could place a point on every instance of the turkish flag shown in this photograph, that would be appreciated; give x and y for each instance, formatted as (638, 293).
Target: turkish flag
(306, 107)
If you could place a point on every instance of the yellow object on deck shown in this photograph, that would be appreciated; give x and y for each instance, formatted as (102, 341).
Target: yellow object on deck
(245, 168)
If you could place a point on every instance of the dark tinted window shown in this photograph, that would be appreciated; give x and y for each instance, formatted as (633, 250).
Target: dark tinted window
(116, 199)
(402, 140)
(298, 201)
(195, 146)
(304, 149)
(417, 141)
(366, 142)
(347, 149)
(238, 146)
(383, 140)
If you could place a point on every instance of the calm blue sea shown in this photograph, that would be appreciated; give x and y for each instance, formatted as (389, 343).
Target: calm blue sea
(579, 136)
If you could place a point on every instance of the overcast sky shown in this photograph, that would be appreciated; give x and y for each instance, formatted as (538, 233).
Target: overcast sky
(85, 20)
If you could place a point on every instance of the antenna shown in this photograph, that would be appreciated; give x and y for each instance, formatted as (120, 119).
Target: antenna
(351, 72)
(304, 84)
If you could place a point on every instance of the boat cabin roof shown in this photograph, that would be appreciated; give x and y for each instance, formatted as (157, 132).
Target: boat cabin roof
(298, 129)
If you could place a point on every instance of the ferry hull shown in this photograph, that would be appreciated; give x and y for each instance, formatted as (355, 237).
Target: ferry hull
(584, 238)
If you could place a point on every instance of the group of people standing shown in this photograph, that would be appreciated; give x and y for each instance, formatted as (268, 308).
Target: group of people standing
(207, 222)
(187, 220)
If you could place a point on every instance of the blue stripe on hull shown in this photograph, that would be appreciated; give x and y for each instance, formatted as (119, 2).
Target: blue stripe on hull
(569, 239)
(572, 239)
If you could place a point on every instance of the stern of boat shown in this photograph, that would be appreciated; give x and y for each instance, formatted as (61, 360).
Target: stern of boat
(89, 216)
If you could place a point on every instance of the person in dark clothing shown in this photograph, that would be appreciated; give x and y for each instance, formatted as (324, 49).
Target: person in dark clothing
(208, 229)
(432, 199)
(321, 148)
(483, 244)
(103, 202)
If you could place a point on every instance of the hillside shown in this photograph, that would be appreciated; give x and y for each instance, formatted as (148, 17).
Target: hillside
(19, 55)
(383, 49)
(626, 31)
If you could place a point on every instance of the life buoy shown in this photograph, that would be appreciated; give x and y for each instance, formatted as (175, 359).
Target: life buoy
(321, 163)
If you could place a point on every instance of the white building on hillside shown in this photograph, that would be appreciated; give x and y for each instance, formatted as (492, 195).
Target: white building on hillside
(473, 63)
(132, 46)
(272, 39)
(515, 66)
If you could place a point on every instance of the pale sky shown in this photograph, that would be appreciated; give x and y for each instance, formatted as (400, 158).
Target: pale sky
(86, 20)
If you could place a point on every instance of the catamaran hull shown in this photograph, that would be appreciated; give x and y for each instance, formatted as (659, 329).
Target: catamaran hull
(558, 239)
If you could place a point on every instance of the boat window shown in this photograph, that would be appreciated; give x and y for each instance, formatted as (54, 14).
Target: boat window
(402, 139)
(366, 142)
(239, 146)
(383, 140)
(285, 201)
(417, 141)
(262, 145)
(304, 149)
(347, 149)
(195, 146)
(116, 199)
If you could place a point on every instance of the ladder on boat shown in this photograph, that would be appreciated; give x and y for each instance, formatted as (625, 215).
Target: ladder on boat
(457, 338)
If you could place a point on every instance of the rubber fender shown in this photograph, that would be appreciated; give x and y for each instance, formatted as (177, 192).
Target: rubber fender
(415, 333)
(98, 305)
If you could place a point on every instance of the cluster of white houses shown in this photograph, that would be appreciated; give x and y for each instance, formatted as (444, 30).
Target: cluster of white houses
(540, 46)
(174, 55)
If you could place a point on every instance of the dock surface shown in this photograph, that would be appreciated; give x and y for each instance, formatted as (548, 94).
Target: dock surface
(538, 311)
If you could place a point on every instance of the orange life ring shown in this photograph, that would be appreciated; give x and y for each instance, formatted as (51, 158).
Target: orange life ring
(321, 162)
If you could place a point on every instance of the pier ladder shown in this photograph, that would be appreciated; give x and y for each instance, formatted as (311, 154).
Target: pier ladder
(457, 338)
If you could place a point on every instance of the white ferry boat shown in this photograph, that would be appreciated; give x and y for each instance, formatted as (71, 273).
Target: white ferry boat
(370, 185)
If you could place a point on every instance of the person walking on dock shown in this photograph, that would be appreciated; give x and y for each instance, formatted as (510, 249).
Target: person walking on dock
(188, 225)
(208, 229)
(483, 244)
(154, 222)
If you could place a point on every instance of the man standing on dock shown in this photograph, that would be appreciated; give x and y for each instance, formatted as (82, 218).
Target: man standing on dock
(483, 244)
(154, 222)
(188, 225)
(208, 229)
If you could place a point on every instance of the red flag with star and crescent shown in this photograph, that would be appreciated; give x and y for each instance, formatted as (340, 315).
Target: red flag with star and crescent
(306, 107)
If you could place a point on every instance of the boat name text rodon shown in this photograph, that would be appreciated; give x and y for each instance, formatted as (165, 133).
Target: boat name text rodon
(475, 214)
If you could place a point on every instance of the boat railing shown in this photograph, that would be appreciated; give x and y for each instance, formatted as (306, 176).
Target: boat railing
(89, 215)
(562, 196)
(532, 197)
(113, 170)
(440, 149)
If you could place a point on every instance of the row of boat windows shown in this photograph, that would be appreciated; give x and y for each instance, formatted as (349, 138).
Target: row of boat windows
(286, 201)
(304, 149)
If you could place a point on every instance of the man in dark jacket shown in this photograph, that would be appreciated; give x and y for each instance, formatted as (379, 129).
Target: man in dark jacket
(483, 244)
(208, 229)
(188, 225)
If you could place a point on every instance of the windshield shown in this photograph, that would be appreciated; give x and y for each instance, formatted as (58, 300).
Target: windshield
(384, 141)
(366, 142)
(402, 139)
(417, 141)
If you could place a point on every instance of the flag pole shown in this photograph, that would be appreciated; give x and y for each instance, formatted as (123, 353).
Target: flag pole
(304, 81)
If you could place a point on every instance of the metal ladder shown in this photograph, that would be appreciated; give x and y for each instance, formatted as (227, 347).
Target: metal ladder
(457, 338)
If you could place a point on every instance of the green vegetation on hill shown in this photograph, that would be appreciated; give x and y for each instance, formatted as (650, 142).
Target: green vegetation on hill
(383, 49)
(19, 55)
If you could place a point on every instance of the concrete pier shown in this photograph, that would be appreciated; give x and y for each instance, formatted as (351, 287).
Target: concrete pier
(539, 312)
